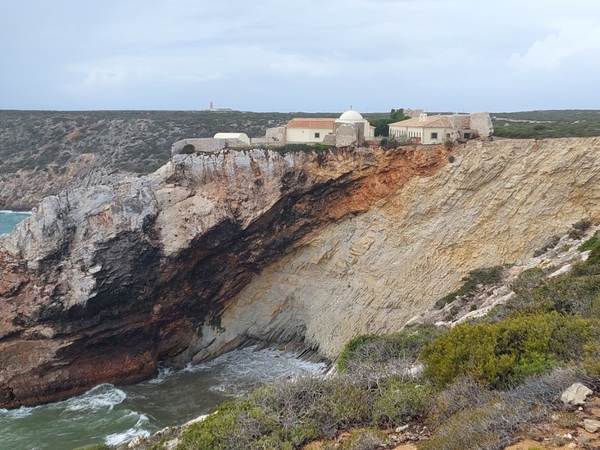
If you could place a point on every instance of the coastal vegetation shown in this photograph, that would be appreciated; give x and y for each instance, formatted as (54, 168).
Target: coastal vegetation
(140, 141)
(547, 124)
(483, 381)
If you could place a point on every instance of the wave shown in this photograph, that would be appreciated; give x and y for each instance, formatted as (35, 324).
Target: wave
(19, 413)
(102, 396)
(242, 370)
(137, 430)
(7, 211)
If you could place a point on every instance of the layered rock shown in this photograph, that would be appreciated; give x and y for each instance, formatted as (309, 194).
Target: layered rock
(101, 284)
(496, 203)
(212, 252)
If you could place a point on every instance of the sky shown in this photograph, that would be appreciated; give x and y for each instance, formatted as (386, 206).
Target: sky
(302, 55)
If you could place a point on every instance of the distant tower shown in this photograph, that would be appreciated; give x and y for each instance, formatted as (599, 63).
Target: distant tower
(211, 107)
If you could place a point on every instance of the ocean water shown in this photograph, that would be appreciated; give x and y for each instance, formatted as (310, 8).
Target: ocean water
(113, 415)
(8, 220)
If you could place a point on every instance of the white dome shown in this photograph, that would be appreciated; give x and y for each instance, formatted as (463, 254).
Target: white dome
(351, 116)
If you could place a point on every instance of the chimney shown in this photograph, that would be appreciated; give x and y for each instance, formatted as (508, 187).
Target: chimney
(423, 117)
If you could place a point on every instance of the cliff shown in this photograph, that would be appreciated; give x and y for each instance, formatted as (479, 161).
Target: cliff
(215, 251)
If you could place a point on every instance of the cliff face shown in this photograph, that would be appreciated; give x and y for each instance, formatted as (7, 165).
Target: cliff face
(496, 203)
(100, 284)
(214, 251)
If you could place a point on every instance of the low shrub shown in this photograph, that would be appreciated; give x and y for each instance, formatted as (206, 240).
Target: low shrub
(527, 280)
(550, 243)
(376, 350)
(400, 401)
(503, 353)
(582, 225)
(364, 440)
(484, 276)
(469, 415)
(187, 149)
(589, 244)
(288, 414)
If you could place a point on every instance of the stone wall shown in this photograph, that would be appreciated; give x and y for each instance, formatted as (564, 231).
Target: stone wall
(206, 145)
(482, 123)
(460, 121)
(276, 134)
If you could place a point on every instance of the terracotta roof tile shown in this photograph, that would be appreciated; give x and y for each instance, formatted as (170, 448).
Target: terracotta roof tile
(311, 123)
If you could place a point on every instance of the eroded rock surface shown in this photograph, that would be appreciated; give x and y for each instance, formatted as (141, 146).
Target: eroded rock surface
(213, 252)
(101, 284)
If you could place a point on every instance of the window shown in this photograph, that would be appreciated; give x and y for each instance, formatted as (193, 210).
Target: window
(467, 135)
(317, 135)
(433, 135)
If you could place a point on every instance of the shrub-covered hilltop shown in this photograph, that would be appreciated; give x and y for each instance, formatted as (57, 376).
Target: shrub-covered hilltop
(547, 124)
(520, 336)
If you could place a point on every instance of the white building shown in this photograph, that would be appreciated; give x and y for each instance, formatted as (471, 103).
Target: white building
(314, 130)
(308, 129)
(423, 129)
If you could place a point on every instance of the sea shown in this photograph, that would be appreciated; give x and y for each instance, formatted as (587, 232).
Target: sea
(113, 415)
(9, 219)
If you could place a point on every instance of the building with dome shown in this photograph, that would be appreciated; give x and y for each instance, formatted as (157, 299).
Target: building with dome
(349, 129)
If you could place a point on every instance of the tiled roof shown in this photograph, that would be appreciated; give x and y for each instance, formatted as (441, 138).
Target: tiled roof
(311, 123)
(429, 122)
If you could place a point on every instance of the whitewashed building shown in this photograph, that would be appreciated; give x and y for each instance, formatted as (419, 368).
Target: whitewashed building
(308, 129)
(423, 129)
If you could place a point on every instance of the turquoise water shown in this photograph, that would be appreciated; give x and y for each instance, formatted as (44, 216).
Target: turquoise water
(113, 415)
(8, 220)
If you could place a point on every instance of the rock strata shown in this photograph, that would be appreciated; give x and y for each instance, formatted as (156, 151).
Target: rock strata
(213, 252)
(101, 284)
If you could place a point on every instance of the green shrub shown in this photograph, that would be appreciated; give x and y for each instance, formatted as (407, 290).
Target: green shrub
(469, 415)
(589, 244)
(502, 353)
(365, 440)
(400, 401)
(377, 349)
(188, 149)
(528, 279)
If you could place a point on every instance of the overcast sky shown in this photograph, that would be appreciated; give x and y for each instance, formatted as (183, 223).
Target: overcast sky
(302, 55)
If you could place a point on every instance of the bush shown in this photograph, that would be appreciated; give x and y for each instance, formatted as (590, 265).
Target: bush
(376, 350)
(550, 243)
(589, 244)
(503, 353)
(365, 440)
(400, 401)
(469, 415)
(484, 276)
(188, 149)
(289, 414)
(527, 280)
(582, 225)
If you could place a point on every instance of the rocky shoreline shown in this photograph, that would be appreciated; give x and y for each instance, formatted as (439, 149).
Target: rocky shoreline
(214, 251)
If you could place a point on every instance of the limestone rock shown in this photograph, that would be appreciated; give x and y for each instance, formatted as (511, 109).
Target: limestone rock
(100, 284)
(576, 394)
(591, 425)
(216, 251)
